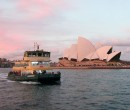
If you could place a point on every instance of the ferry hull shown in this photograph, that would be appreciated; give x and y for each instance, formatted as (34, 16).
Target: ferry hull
(42, 78)
(51, 79)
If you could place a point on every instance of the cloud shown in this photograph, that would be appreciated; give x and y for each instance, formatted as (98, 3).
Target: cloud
(33, 17)
(35, 9)
(112, 40)
(13, 45)
(118, 42)
(98, 45)
(127, 50)
(23, 22)
(31, 9)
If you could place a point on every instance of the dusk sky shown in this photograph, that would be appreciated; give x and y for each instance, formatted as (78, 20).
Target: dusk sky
(56, 24)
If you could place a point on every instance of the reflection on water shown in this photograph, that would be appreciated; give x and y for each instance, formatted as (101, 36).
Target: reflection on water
(79, 90)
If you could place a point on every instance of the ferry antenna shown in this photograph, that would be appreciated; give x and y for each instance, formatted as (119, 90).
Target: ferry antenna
(34, 46)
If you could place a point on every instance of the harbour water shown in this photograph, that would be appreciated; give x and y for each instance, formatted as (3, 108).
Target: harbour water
(87, 89)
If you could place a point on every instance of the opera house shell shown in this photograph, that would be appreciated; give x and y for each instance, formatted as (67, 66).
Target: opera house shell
(84, 50)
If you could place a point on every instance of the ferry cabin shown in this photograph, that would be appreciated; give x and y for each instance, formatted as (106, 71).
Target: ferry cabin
(38, 60)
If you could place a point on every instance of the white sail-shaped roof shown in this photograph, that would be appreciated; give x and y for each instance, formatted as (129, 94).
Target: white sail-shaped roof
(73, 52)
(103, 52)
(84, 47)
(66, 53)
(89, 56)
(95, 56)
(113, 54)
(92, 56)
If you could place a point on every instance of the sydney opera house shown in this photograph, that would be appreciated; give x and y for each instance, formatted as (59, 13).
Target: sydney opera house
(84, 53)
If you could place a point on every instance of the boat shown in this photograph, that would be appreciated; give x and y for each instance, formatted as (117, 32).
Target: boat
(35, 67)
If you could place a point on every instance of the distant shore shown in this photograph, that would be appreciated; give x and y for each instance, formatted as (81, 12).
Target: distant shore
(94, 67)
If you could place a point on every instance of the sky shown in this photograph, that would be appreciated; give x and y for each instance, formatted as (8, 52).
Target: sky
(56, 24)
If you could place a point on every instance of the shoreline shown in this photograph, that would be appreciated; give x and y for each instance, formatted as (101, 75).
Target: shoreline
(94, 67)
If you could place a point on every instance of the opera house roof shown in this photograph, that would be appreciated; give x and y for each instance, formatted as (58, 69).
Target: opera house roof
(85, 50)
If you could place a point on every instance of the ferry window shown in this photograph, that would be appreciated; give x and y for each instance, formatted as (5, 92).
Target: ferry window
(40, 63)
(34, 63)
(46, 55)
(29, 54)
(39, 54)
(46, 63)
(38, 71)
(34, 54)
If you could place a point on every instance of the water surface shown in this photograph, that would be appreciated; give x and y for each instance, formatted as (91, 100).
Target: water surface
(79, 90)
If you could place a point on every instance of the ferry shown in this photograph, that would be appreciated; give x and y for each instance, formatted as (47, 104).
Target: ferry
(35, 67)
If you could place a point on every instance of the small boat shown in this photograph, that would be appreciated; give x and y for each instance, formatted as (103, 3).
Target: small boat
(35, 66)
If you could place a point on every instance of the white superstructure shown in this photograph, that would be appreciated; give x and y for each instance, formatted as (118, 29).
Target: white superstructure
(73, 52)
(84, 49)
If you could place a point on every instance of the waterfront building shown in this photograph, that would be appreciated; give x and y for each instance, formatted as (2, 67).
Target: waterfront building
(85, 51)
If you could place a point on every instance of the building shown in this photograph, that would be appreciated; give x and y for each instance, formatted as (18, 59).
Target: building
(5, 63)
(85, 51)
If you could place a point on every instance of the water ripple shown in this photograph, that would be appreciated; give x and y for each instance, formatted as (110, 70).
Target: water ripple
(79, 90)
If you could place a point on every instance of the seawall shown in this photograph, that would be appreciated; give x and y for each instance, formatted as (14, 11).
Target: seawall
(94, 67)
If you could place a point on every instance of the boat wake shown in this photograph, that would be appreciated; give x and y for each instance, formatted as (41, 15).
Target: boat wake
(30, 82)
(3, 76)
(10, 81)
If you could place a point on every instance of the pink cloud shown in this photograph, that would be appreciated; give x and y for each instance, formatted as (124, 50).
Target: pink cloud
(24, 25)
(37, 9)
(12, 43)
